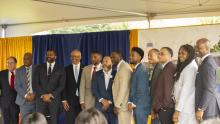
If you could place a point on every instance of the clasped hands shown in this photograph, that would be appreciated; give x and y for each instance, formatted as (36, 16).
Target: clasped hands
(47, 97)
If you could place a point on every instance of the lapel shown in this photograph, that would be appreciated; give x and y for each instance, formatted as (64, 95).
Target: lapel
(7, 78)
(23, 73)
(80, 72)
(72, 73)
(111, 80)
(102, 78)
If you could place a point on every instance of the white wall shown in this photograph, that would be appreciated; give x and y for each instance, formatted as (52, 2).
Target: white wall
(175, 37)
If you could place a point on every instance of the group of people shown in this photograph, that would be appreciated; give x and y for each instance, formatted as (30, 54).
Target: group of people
(185, 93)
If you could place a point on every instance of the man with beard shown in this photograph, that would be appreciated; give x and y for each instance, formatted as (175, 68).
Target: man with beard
(102, 90)
(48, 83)
(87, 100)
(139, 97)
(121, 88)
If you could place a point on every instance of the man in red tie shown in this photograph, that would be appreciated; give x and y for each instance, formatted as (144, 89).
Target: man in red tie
(8, 94)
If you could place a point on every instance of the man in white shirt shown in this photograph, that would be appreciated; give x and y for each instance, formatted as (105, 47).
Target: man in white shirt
(8, 94)
(87, 100)
(70, 95)
(102, 90)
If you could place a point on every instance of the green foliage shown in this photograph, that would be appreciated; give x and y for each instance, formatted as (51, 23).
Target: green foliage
(89, 28)
(216, 47)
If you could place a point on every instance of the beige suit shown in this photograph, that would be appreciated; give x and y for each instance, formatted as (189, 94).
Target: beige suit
(120, 90)
(86, 95)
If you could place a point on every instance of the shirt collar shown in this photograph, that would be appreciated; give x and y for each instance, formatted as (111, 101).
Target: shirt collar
(205, 56)
(163, 65)
(97, 66)
(119, 64)
(136, 65)
(108, 73)
(52, 64)
(30, 67)
(76, 65)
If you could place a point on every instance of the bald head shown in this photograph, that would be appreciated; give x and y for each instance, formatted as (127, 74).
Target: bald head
(202, 47)
(75, 57)
(27, 59)
(106, 63)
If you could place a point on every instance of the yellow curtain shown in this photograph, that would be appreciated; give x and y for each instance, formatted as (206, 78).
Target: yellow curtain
(133, 38)
(15, 46)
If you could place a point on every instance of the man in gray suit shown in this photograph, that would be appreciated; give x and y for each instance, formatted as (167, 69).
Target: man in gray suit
(207, 100)
(23, 86)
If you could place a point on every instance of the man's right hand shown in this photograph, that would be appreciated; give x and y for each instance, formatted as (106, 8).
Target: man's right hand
(66, 105)
(153, 114)
(105, 104)
(30, 97)
(82, 106)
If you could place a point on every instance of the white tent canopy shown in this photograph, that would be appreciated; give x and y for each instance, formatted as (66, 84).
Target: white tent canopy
(25, 17)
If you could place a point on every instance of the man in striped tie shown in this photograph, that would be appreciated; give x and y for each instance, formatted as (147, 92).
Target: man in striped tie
(23, 86)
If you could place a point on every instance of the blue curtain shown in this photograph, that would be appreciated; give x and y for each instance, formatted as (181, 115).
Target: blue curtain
(63, 44)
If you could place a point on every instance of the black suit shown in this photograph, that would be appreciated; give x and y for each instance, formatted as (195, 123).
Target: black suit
(69, 94)
(9, 108)
(54, 84)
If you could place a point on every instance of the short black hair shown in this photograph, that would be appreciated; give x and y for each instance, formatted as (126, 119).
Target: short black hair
(52, 51)
(155, 50)
(119, 53)
(96, 52)
(169, 50)
(139, 51)
(12, 57)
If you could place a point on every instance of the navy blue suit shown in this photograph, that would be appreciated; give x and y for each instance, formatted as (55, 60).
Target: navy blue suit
(99, 91)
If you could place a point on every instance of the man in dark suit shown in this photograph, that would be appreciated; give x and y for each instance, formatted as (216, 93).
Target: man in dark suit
(102, 90)
(23, 85)
(153, 59)
(207, 100)
(48, 84)
(163, 103)
(8, 94)
(70, 96)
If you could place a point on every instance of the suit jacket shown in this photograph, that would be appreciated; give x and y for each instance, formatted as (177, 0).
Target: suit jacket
(21, 85)
(72, 85)
(54, 84)
(121, 86)
(164, 87)
(8, 96)
(184, 89)
(85, 88)
(139, 93)
(99, 89)
(156, 71)
(206, 94)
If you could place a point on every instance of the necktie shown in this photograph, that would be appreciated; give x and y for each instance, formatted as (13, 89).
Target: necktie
(94, 70)
(76, 73)
(12, 78)
(49, 70)
(28, 79)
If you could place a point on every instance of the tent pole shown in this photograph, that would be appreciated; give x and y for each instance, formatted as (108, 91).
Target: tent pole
(4, 27)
